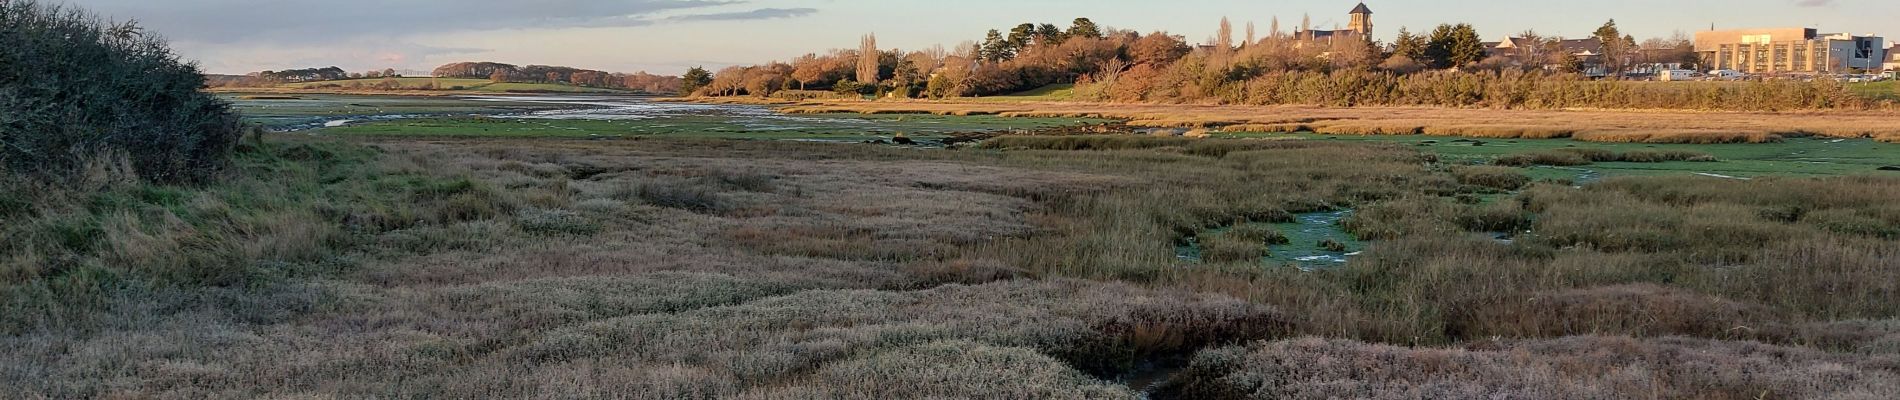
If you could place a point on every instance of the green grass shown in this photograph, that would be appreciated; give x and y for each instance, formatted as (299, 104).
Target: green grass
(827, 127)
(1055, 92)
(289, 212)
(1794, 157)
(282, 111)
(449, 84)
(1883, 90)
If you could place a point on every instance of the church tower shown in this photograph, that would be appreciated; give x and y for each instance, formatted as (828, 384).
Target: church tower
(1361, 20)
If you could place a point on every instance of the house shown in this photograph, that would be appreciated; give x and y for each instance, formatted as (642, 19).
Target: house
(1893, 59)
(1586, 53)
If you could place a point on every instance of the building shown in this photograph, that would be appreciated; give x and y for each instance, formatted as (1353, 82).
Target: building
(1788, 51)
(1360, 28)
(1588, 53)
(1893, 59)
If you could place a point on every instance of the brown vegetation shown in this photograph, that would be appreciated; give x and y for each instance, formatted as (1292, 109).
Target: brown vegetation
(1584, 367)
(1042, 267)
(1585, 125)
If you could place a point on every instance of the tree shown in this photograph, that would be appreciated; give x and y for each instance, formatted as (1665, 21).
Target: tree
(1224, 38)
(868, 60)
(1158, 49)
(1617, 47)
(693, 80)
(1049, 35)
(1250, 35)
(1021, 37)
(390, 72)
(1084, 28)
(1454, 46)
(1412, 47)
(995, 48)
(1532, 49)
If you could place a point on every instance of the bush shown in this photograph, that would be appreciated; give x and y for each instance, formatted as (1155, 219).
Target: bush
(80, 91)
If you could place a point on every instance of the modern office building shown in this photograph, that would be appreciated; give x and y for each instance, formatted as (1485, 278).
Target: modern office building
(1789, 51)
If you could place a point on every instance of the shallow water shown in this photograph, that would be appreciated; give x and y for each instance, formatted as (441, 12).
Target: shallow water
(1304, 235)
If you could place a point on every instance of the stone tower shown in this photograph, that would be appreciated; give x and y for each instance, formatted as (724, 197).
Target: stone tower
(1361, 20)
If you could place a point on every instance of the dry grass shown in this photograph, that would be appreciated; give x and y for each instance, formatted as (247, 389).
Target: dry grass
(1584, 367)
(1581, 156)
(1504, 178)
(1588, 125)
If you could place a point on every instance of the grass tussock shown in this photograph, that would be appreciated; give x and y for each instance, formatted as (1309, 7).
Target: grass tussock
(1503, 178)
(1576, 367)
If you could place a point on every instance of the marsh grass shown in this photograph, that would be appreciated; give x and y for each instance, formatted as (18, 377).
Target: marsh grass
(1589, 125)
(1575, 367)
(1503, 178)
(1570, 157)
(1031, 267)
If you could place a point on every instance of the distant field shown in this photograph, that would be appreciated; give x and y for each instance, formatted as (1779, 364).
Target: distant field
(1887, 90)
(451, 84)
(1791, 157)
(1056, 92)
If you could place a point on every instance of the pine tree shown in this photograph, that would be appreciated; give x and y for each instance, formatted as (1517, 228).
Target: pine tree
(1409, 45)
(1467, 46)
(995, 48)
(695, 78)
(1084, 28)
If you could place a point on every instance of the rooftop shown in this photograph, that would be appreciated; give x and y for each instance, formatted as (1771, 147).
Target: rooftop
(1361, 9)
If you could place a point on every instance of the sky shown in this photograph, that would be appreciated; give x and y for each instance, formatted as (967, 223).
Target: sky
(669, 36)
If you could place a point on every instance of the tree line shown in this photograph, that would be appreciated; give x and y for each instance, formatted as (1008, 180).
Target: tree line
(1450, 65)
(508, 73)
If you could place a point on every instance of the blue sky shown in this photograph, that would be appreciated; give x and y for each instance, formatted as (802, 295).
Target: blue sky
(667, 36)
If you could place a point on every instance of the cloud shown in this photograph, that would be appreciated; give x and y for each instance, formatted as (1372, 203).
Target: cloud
(763, 13)
(305, 22)
(1814, 3)
(353, 55)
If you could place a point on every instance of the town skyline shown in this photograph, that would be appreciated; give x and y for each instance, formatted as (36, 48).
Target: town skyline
(418, 35)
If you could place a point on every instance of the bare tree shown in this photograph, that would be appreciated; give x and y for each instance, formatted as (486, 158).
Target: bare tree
(868, 60)
(1250, 35)
(1224, 39)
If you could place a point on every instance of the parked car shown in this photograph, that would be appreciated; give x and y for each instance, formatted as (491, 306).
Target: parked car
(1678, 75)
(1727, 74)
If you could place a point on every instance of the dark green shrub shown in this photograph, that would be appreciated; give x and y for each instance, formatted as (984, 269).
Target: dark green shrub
(78, 90)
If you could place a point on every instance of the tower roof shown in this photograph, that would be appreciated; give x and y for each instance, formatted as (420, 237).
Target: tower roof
(1361, 9)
